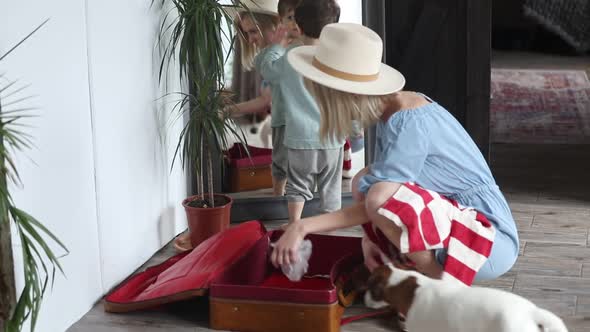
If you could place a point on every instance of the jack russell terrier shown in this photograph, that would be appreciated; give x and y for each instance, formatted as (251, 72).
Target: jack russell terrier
(436, 305)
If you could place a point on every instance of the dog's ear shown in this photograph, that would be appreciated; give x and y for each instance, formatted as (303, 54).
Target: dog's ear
(378, 282)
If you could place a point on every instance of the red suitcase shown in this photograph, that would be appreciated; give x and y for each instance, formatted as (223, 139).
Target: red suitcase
(246, 293)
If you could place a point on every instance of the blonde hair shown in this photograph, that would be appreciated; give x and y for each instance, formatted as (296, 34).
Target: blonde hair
(339, 109)
(263, 22)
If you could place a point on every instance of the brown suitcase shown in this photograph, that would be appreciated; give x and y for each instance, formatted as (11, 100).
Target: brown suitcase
(250, 178)
(246, 293)
(249, 172)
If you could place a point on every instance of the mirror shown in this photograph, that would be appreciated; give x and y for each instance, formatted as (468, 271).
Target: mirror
(253, 179)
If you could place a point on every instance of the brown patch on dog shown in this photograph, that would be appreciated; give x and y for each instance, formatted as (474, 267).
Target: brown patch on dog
(358, 280)
(401, 296)
(378, 282)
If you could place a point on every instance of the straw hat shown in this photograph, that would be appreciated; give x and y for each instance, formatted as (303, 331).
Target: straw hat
(269, 7)
(347, 58)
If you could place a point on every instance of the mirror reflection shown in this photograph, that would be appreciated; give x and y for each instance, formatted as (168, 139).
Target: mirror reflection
(263, 110)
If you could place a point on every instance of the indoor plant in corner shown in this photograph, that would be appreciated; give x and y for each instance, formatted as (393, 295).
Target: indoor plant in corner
(194, 40)
(39, 261)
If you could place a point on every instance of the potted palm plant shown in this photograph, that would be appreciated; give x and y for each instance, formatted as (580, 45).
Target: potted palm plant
(39, 260)
(195, 41)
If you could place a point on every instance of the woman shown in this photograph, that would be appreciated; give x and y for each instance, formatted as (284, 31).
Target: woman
(418, 141)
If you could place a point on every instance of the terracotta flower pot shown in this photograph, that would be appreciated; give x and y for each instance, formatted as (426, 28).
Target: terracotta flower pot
(206, 222)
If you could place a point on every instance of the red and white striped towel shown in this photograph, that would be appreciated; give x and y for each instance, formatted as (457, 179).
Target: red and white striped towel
(347, 161)
(431, 221)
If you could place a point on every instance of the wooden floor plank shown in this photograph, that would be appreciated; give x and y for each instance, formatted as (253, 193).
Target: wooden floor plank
(558, 285)
(583, 306)
(560, 304)
(554, 235)
(505, 282)
(548, 267)
(568, 220)
(523, 220)
(577, 323)
(557, 251)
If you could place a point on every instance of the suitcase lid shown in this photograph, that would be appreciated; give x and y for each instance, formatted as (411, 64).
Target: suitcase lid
(185, 275)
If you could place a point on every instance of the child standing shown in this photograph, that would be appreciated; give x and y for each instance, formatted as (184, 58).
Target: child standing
(310, 159)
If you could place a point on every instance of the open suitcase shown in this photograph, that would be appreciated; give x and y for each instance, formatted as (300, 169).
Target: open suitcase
(246, 293)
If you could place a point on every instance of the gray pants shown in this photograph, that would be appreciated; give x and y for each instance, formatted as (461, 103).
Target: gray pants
(279, 154)
(307, 168)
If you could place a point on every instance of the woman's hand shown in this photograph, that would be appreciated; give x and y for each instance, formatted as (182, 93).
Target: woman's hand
(285, 249)
(373, 256)
(225, 112)
(266, 94)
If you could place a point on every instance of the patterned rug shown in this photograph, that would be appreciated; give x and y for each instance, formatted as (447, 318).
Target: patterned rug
(540, 106)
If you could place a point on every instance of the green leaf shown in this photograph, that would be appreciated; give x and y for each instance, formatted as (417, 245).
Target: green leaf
(23, 40)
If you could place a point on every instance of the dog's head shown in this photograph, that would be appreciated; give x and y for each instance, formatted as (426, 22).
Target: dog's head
(358, 280)
(391, 286)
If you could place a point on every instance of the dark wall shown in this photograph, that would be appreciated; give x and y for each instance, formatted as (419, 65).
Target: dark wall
(443, 49)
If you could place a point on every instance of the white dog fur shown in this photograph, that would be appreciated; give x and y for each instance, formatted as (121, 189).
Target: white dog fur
(442, 306)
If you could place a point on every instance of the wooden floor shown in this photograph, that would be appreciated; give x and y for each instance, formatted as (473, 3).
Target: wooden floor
(547, 187)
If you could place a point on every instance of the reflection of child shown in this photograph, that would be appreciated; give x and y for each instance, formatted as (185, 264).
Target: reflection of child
(286, 10)
(310, 159)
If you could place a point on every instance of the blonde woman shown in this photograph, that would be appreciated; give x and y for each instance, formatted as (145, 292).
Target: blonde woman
(253, 28)
(418, 142)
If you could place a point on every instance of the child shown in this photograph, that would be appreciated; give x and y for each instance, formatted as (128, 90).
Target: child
(309, 158)
(418, 141)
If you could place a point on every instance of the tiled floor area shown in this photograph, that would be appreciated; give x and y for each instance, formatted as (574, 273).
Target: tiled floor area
(548, 188)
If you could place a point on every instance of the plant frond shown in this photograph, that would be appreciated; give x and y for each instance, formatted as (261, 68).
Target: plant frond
(23, 40)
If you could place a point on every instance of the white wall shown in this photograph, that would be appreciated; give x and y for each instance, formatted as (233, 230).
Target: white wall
(101, 181)
(351, 11)
(139, 203)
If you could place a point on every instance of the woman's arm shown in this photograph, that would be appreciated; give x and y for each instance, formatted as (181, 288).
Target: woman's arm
(285, 249)
(257, 105)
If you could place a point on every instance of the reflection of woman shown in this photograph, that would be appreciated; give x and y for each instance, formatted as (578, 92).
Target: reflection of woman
(255, 30)
(245, 85)
(419, 146)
